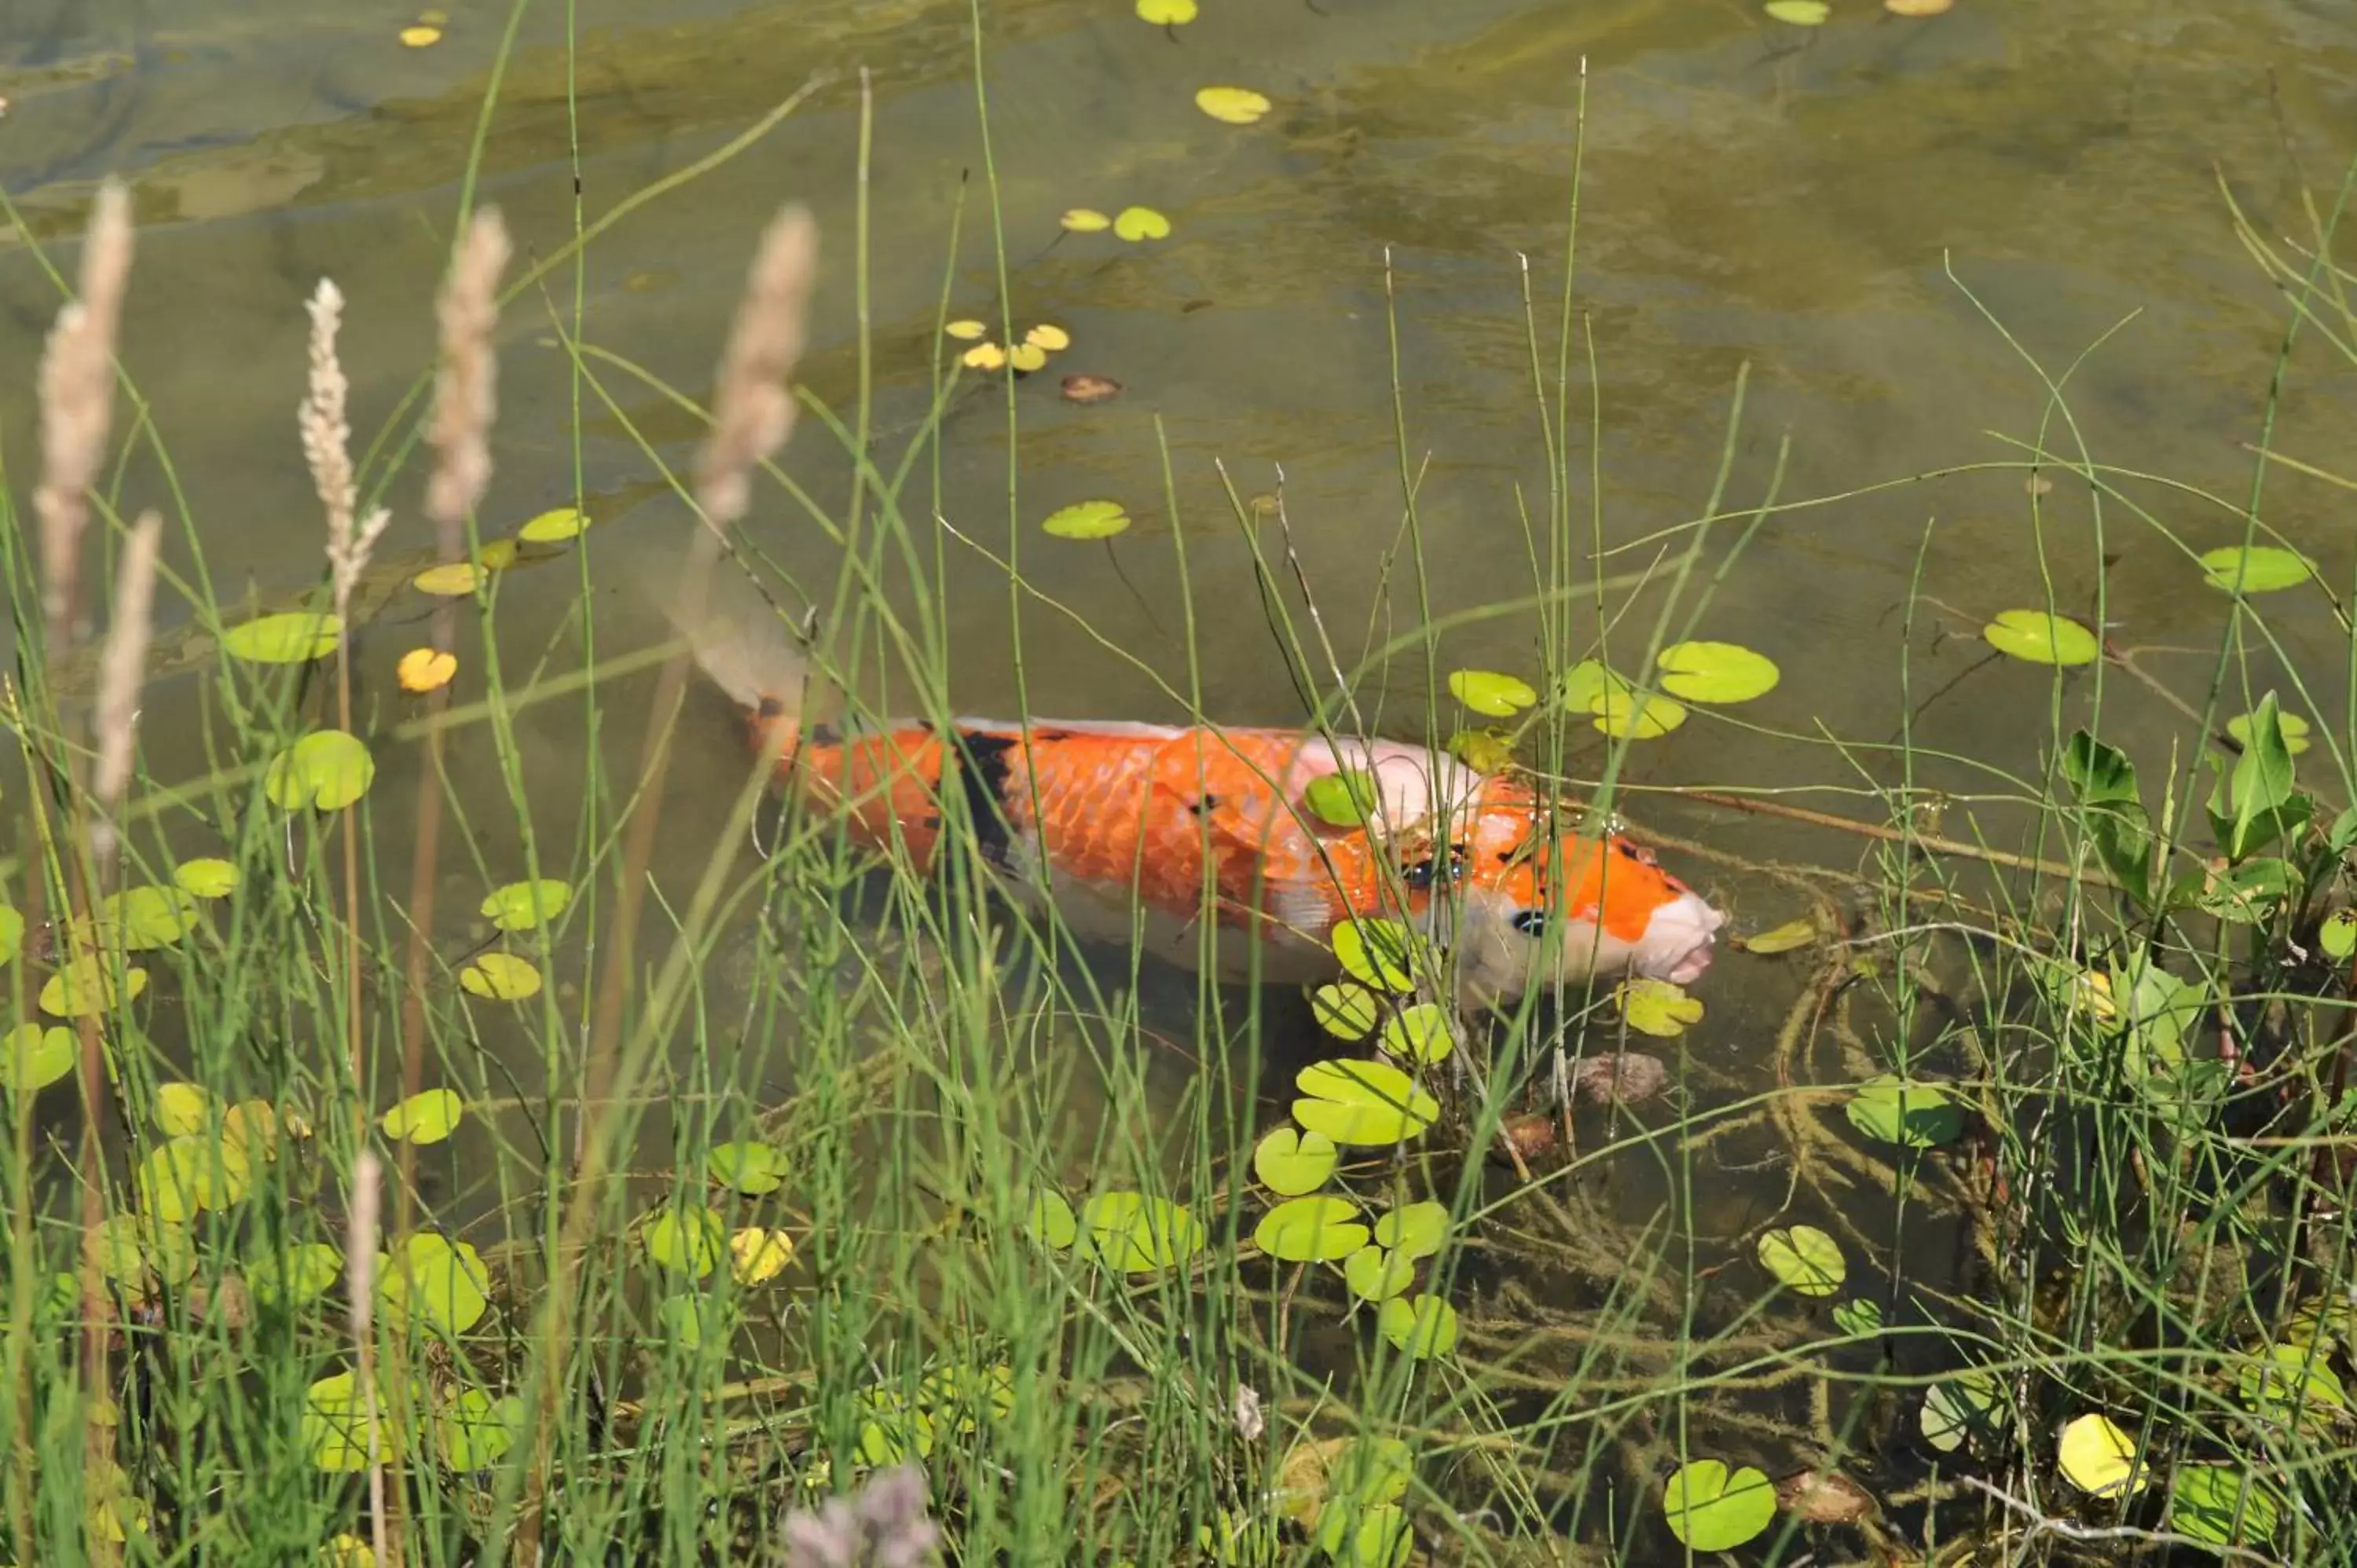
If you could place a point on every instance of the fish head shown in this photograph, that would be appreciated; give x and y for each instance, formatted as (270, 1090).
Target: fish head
(1536, 914)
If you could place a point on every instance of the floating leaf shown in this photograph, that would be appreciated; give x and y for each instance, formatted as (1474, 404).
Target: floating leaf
(12, 932)
(1585, 684)
(476, 1431)
(501, 977)
(305, 1274)
(1638, 716)
(1711, 1509)
(33, 1058)
(423, 669)
(690, 1320)
(1422, 1326)
(1798, 14)
(182, 1108)
(1025, 358)
(169, 1181)
(249, 1128)
(1716, 671)
(1657, 1007)
(2337, 935)
(1423, 1034)
(423, 1118)
(687, 1241)
(2294, 1382)
(335, 1424)
(1322, 1230)
(1968, 1404)
(756, 1255)
(1415, 1230)
(1489, 693)
(2221, 1505)
(135, 1249)
(1367, 1471)
(1135, 224)
(1805, 1259)
(1048, 337)
(1362, 1102)
(1376, 952)
(555, 526)
(1858, 1317)
(444, 1281)
(452, 579)
(984, 357)
(201, 878)
(1941, 8)
(327, 769)
(2294, 728)
(345, 1550)
(292, 639)
(1236, 105)
(520, 905)
(142, 919)
(2098, 1458)
(1138, 1234)
(1087, 520)
(1380, 1538)
(418, 36)
(1787, 937)
(1913, 1115)
(1050, 1221)
(966, 331)
(1342, 798)
(2041, 638)
(2261, 569)
(88, 988)
(1345, 1010)
(749, 1168)
(1290, 1164)
(1378, 1273)
(1083, 220)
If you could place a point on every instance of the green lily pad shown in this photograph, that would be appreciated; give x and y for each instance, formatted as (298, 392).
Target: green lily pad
(141, 919)
(12, 932)
(555, 526)
(2292, 1382)
(1658, 1008)
(1798, 14)
(1323, 1229)
(1715, 673)
(1858, 1317)
(1379, 1539)
(1051, 1222)
(2221, 1505)
(1423, 1034)
(1712, 1508)
(1378, 1273)
(520, 905)
(302, 1277)
(476, 1430)
(1585, 684)
(1804, 1259)
(1138, 1234)
(749, 1168)
(1487, 692)
(1416, 1229)
(2337, 935)
(33, 1058)
(2262, 568)
(690, 1319)
(2041, 638)
(1379, 953)
(1790, 937)
(292, 639)
(169, 1181)
(88, 988)
(205, 877)
(501, 977)
(1422, 1326)
(1340, 799)
(326, 770)
(444, 1281)
(1365, 1103)
(1638, 716)
(1345, 1010)
(423, 1118)
(1971, 1404)
(1087, 520)
(687, 1241)
(1913, 1115)
(1290, 1164)
(335, 1424)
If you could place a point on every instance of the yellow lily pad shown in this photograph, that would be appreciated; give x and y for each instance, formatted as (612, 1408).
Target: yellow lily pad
(2261, 569)
(1376, 952)
(2098, 1458)
(1232, 105)
(555, 526)
(501, 977)
(182, 1108)
(756, 1255)
(1364, 1103)
(520, 905)
(87, 988)
(1135, 223)
(428, 1117)
(1658, 1008)
(1167, 13)
(452, 579)
(1085, 220)
(967, 331)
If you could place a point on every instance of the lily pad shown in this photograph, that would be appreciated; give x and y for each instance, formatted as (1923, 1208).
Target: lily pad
(428, 1117)
(687, 1241)
(1858, 1317)
(335, 1424)
(1378, 1273)
(1913, 1115)
(2100, 1459)
(520, 905)
(555, 526)
(2337, 935)
(1423, 1034)
(1051, 1222)
(1348, 1010)
(1712, 1508)
(1971, 1404)
(476, 1430)
(1422, 1326)
(1715, 673)
(1367, 1104)
(142, 919)
(182, 1108)
(1788, 937)
(326, 770)
(1416, 1229)
(442, 1281)
(1087, 520)
(33, 1058)
(1804, 1259)
(1235, 106)
(89, 987)
(1322, 1230)
(302, 1277)
(1638, 716)
(1377, 953)
(1082, 221)
(1379, 1539)
(1290, 1164)
(1138, 1234)
(2221, 1505)
(1488, 693)
(292, 639)
(501, 977)
(2041, 638)
(2261, 569)
(752, 1169)
(1657, 1007)
(2294, 1382)
(1340, 799)
(756, 1254)
(1135, 223)
(170, 1181)
(1798, 13)
(452, 579)
(204, 877)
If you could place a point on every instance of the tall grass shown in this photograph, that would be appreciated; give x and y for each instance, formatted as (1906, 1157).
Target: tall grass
(207, 1359)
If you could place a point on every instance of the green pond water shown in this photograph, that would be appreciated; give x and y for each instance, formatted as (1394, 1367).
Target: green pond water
(1758, 194)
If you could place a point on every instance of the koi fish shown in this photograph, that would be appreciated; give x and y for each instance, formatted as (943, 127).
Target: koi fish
(1146, 830)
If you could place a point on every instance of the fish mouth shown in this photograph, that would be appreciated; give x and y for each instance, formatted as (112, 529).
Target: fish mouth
(1680, 941)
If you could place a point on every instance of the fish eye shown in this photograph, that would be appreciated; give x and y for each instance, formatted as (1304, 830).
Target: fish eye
(1531, 922)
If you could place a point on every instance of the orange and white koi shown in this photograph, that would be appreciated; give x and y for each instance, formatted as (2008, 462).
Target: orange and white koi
(1121, 826)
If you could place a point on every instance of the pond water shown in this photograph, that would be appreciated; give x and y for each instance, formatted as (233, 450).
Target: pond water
(1791, 199)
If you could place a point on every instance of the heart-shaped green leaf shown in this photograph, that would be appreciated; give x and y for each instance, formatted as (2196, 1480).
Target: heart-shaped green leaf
(326, 770)
(1321, 1229)
(1290, 1164)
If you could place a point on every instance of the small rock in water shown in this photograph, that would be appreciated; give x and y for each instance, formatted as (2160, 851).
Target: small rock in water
(1091, 389)
(1530, 1135)
(1628, 1077)
(1826, 1498)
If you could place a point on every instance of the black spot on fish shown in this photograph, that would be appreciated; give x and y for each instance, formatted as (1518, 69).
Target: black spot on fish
(821, 735)
(984, 768)
(1051, 734)
(770, 707)
(1206, 806)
